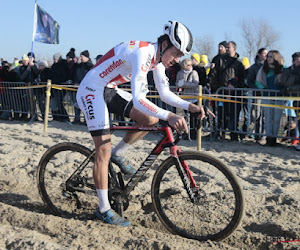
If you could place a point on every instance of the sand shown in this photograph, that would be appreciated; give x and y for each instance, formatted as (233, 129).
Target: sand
(269, 175)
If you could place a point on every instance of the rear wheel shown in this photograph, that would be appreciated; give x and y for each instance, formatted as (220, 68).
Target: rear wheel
(218, 206)
(60, 192)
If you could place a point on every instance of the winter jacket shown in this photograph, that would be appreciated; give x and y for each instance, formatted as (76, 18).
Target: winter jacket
(44, 75)
(268, 81)
(59, 72)
(81, 70)
(227, 68)
(27, 75)
(202, 74)
(189, 80)
(251, 74)
(290, 80)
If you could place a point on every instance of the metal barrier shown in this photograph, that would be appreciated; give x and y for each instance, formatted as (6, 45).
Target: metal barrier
(239, 112)
(16, 101)
(247, 112)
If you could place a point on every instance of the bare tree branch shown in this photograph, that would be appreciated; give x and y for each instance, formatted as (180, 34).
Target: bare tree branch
(204, 45)
(257, 34)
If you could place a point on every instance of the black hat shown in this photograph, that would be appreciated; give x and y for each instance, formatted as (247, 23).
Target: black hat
(224, 43)
(29, 54)
(85, 53)
(98, 57)
(71, 53)
(295, 55)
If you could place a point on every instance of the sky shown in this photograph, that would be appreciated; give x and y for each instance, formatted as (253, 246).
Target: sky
(97, 25)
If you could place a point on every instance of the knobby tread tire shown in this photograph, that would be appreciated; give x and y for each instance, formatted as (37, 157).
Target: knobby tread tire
(49, 154)
(202, 157)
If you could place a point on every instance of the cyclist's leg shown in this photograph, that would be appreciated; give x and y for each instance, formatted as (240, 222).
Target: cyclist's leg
(142, 120)
(120, 102)
(100, 170)
(102, 156)
(92, 103)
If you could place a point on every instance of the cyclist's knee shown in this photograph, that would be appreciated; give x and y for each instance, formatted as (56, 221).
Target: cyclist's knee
(143, 119)
(152, 121)
(147, 121)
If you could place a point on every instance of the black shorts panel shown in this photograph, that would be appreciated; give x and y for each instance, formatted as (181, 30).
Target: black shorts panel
(116, 104)
(100, 132)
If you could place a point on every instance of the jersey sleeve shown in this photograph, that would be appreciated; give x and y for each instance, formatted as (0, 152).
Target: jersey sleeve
(166, 95)
(141, 62)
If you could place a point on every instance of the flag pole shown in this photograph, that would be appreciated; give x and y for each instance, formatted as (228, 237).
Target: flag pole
(31, 59)
(34, 27)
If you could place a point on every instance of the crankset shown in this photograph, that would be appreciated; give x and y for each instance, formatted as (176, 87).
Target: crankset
(118, 201)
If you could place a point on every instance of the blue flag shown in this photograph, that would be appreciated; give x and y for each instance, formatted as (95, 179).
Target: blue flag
(45, 28)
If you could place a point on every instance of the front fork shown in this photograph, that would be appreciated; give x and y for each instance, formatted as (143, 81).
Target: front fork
(185, 174)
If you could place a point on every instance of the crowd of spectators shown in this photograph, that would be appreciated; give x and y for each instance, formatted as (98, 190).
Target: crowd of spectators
(225, 70)
(27, 70)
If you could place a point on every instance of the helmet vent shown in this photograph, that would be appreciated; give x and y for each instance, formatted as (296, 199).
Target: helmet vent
(176, 34)
(190, 44)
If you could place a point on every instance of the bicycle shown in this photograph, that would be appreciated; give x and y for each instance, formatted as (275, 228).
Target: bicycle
(193, 194)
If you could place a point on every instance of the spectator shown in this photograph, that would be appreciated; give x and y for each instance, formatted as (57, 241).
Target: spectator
(81, 70)
(27, 73)
(261, 56)
(291, 83)
(291, 75)
(15, 63)
(59, 75)
(228, 72)
(246, 64)
(5, 98)
(71, 65)
(199, 68)
(98, 58)
(204, 63)
(188, 79)
(31, 56)
(44, 75)
(246, 105)
(8, 74)
(268, 77)
(222, 50)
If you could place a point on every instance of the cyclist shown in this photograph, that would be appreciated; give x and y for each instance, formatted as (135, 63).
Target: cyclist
(98, 95)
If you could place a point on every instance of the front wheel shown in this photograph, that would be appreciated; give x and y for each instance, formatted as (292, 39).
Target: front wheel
(217, 205)
(65, 180)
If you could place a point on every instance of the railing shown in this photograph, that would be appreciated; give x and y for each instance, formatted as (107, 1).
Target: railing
(240, 112)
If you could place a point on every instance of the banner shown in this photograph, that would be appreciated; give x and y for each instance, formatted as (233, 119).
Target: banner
(45, 29)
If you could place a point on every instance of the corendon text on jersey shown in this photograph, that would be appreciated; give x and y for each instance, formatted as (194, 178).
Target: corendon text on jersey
(111, 67)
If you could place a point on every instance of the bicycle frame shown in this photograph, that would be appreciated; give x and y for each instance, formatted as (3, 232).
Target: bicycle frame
(167, 141)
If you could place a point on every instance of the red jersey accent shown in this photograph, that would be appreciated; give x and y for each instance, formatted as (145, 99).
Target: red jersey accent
(143, 44)
(118, 80)
(108, 55)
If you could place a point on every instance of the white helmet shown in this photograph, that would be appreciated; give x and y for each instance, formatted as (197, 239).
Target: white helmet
(180, 36)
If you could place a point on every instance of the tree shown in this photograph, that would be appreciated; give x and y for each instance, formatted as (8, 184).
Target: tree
(257, 34)
(204, 45)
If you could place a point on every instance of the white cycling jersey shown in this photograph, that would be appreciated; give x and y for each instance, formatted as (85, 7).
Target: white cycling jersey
(131, 61)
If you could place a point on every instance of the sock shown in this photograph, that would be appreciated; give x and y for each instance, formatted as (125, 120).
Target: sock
(103, 200)
(121, 148)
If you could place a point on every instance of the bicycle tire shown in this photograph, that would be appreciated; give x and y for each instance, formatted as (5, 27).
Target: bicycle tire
(206, 219)
(55, 167)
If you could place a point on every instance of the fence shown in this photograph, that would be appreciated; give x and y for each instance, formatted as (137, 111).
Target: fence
(238, 111)
(255, 113)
